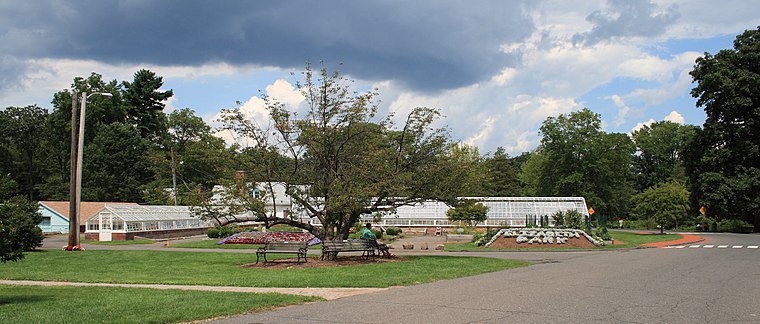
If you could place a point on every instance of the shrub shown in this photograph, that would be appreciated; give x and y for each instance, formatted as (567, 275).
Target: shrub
(481, 239)
(18, 228)
(735, 226)
(602, 233)
(393, 231)
(213, 232)
(378, 233)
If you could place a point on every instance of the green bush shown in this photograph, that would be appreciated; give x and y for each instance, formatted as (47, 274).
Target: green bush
(393, 231)
(481, 239)
(18, 228)
(602, 233)
(378, 233)
(642, 224)
(213, 232)
(735, 226)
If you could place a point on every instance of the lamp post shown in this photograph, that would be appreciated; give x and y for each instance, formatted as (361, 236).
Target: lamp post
(75, 216)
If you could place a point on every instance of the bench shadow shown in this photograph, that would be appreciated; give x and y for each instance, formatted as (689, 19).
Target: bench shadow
(7, 300)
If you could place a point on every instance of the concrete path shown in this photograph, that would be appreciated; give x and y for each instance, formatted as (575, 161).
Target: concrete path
(326, 293)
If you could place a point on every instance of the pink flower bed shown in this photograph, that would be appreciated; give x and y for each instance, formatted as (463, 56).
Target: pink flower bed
(261, 238)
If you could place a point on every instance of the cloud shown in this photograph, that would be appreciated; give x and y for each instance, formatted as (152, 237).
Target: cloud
(425, 45)
(627, 18)
(673, 116)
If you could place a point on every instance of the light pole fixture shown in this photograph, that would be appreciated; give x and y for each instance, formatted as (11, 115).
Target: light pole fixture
(75, 216)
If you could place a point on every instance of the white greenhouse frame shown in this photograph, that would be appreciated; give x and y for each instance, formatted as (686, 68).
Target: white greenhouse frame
(131, 219)
(503, 211)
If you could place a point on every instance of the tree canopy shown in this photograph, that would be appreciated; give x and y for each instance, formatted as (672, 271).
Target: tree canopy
(344, 161)
(723, 160)
(18, 228)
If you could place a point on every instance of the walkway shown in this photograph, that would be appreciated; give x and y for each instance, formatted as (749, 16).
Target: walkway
(686, 239)
(326, 293)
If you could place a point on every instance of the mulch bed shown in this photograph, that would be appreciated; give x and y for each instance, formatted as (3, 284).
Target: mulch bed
(315, 262)
(511, 243)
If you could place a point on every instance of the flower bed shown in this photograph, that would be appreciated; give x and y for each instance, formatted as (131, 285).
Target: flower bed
(262, 238)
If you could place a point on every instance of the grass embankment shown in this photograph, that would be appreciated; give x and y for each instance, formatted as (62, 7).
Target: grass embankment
(224, 269)
(38, 304)
(630, 240)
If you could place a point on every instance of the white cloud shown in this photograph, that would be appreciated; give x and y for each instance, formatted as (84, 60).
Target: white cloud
(675, 117)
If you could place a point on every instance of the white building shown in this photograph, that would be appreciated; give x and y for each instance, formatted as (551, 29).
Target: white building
(503, 211)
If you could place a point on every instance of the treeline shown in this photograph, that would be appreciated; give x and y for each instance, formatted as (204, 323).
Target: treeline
(131, 145)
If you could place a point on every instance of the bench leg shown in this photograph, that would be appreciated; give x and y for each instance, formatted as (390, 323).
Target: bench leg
(257, 257)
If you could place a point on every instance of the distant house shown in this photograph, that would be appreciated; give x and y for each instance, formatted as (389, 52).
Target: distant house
(55, 214)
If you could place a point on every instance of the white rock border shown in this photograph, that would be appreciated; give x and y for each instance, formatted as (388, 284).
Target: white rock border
(543, 232)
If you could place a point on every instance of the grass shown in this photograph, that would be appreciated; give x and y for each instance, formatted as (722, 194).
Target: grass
(124, 242)
(39, 304)
(211, 244)
(218, 269)
(631, 240)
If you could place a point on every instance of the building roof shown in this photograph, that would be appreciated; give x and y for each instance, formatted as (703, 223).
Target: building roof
(88, 208)
(141, 213)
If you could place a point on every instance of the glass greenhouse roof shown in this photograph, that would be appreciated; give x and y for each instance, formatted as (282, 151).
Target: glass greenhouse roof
(147, 213)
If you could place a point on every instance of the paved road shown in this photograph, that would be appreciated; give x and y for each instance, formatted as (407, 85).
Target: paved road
(690, 285)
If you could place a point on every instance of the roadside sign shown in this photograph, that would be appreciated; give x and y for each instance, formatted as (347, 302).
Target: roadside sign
(590, 211)
(702, 210)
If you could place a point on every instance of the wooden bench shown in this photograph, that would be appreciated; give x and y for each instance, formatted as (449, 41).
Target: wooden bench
(330, 249)
(297, 248)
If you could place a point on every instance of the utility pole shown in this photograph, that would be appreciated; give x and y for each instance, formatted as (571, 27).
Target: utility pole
(73, 221)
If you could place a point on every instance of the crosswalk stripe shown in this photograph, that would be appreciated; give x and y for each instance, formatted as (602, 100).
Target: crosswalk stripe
(752, 246)
(737, 246)
(722, 246)
(709, 246)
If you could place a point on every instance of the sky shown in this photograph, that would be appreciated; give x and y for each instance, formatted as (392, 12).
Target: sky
(495, 69)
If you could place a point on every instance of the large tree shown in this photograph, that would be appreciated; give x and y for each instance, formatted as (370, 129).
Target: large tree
(660, 149)
(576, 158)
(144, 103)
(502, 180)
(723, 160)
(666, 204)
(337, 160)
(23, 148)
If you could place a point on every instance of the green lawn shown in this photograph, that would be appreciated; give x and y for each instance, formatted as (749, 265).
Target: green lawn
(217, 269)
(634, 239)
(121, 242)
(37, 304)
(211, 244)
(631, 240)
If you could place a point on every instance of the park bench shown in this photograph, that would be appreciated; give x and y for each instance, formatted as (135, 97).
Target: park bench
(330, 249)
(297, 248)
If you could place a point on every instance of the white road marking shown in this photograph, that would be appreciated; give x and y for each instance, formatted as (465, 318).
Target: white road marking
(752, 246)
(694, 246)
(722, 246)
(680, 246)
(737, 246)
(709, 246)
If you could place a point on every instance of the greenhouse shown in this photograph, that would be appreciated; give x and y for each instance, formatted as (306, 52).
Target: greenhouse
(503, 211)
(124, 222)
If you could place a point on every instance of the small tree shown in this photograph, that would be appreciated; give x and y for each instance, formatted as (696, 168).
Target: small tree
(336, 159)
(665, 204)
(469, 211)
(18, 228)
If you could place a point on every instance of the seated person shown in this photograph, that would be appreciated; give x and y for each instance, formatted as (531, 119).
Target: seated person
(367, 233)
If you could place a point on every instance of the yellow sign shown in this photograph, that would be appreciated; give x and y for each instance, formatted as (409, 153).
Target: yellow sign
(590, 211)
(703, 210)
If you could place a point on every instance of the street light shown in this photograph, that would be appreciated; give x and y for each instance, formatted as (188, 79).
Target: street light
(75, 216)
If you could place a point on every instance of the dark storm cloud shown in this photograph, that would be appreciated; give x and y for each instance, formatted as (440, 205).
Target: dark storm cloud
(627, 18)
(427, 45)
